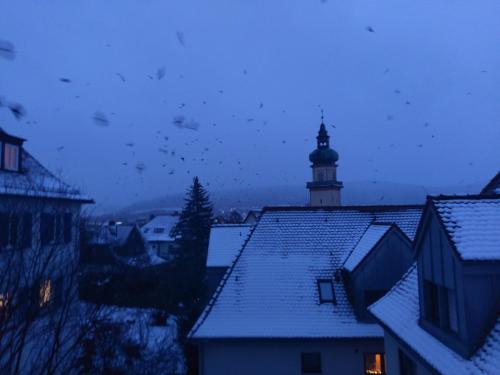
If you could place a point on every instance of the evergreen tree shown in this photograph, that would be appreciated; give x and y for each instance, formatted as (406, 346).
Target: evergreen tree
(192, 231)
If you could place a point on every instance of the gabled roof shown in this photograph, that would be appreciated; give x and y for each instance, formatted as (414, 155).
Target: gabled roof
(472, 224)
(158, 229)
(374, 233)
(271, 290)
(35, 181)
(398, 311)
(493, 187)
(225, 243)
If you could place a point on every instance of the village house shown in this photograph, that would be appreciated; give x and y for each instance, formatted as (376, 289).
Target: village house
(156, 233)
(111, 246)
(443, 316)
(39, 237)
(295, 296)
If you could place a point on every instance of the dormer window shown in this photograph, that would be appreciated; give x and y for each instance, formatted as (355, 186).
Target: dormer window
(326, 291)
(10, 157)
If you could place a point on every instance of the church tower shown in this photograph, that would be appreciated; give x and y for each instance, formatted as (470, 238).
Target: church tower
(324, 189)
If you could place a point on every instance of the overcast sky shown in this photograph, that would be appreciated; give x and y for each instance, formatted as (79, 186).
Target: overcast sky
(413, 88)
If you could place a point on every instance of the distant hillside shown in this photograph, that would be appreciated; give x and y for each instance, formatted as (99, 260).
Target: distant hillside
(354, 193)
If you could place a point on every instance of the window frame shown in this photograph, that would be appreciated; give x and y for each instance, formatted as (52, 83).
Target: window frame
(306, 368)
(437, 307)
(321, 299)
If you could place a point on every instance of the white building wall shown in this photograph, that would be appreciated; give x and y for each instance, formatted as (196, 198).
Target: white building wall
(282, 357)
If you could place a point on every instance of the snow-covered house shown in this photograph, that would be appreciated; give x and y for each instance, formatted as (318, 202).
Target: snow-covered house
(283, 306)
(113, 244)
(157, 235)
(443, 317)
(226, 240)
(39, 237)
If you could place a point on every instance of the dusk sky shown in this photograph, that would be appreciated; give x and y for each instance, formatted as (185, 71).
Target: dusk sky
(413, 88)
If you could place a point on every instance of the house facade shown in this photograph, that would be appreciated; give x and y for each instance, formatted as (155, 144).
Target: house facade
(443, 316)
(39, 243)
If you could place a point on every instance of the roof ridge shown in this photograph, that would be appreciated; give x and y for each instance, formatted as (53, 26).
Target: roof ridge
(365, 208)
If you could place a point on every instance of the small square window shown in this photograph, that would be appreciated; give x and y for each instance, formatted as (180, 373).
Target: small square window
(311, 362)
(326, 291)
(374, 364)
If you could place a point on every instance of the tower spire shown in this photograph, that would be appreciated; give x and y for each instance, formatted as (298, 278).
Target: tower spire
(324, 187)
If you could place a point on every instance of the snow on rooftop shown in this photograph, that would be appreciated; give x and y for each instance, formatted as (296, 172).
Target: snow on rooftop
(158, 229)
(271, 289)
(473, 225)
(370, 238)
(225, 243)
(36, 181)
(399, 311)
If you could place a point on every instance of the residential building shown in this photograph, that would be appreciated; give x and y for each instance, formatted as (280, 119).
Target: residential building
(157, 235)
(39, 237)
(283, 306)
(226, 241)
(112, 245)
(443, 316)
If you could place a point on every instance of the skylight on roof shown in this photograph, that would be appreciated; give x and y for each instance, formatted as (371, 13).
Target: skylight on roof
(326, 291)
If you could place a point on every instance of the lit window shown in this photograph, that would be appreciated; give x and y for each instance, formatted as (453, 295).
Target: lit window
(11, 157)
(326, 292)
(311, 362)
(374, 364)
(45, 293)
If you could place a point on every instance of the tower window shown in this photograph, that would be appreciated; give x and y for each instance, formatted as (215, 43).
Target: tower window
(11, 157)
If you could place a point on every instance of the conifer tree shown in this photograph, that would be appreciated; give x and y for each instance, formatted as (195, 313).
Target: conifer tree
(192, 231)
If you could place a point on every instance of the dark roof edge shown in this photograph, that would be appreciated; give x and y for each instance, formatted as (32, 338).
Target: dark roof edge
(494, 182)
(463, 196)
(26, 196)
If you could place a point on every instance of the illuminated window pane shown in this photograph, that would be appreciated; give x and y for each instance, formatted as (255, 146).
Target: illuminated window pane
(45, 293)
(11, 157)
(374, 364)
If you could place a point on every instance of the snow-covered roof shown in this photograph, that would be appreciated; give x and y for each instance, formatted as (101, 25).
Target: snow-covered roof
(398, 310)
(158, 229)
(36, 181)
(271, 290)
(225, 243)
(473, 224)
(370, 238)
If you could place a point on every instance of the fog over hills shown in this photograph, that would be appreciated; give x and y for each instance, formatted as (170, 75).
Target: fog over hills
(354, 193)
